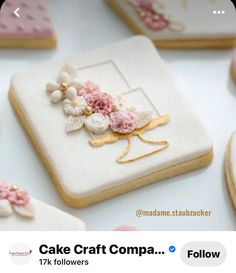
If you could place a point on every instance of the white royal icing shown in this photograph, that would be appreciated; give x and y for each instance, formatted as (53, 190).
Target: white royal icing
(46, 218)
(195, 20)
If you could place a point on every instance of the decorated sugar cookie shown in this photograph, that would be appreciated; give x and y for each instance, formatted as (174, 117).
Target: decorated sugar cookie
(19, 211)
(105, 125)
(26, 24)
(181, 23)
(233, 68)
(230, 168)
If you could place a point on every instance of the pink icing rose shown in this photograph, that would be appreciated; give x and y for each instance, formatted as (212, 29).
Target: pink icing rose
(125, 228)
(123, 122)
(87, 88)
(156, 24)
(143, 5)
(100, 102)
(4, 190)
(151, 18)
(18, 197)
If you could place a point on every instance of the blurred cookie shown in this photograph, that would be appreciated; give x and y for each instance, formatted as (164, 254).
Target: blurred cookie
(20, 212)
(230, 168)
(233, 68)
(31, 28)
(181, 23)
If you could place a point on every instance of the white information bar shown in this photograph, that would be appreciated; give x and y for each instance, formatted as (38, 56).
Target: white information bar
(118, 252)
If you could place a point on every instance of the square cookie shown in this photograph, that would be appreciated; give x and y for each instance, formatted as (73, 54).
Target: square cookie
(109, 121)
(181, 23)
(32, 29)
(20, 212)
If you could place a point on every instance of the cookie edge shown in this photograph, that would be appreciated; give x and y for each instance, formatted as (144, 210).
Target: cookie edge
(228, 176)
(42, 43)
(232, 72)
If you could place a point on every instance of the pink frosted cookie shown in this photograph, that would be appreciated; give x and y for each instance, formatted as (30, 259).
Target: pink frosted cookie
(125, 228)
(32, 29)
(181, 23)
(20, 212)
(233, 68)
(230, 168)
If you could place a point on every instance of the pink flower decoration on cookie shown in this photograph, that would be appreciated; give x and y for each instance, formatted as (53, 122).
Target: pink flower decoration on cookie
(155, 24)
(13, 199)
(17, 197)
(4, 190)
(150, 17)
(125, 228)
(143, 5)
(100, 102)
(87, 88)
(123, 122)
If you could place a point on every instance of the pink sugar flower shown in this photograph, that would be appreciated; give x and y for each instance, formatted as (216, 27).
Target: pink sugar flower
(156, 24)
(151, 18)
(100, 102)
(87, 88)
(143, 5)
(18, 197)
(4, 190)
(125, 228)
(123, 122)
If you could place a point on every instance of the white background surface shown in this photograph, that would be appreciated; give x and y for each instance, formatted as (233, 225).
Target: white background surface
(204, 77)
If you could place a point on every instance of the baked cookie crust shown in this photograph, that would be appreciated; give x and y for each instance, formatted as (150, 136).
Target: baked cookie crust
(228, 175)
